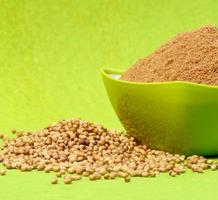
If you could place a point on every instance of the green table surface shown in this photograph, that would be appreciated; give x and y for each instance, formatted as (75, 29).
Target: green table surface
(51, 52)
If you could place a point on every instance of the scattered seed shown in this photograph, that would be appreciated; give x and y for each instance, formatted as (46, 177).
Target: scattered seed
(2, 172)
(172, 173)
(85, 173)
(95, 176)
(76, 177)
(113, 175)
(67, 180)
(54, 180)
(152, 174)
(213, 167)
(204, 166)
(56, 168)
(23, 168)
(86, 149)
(209, 162)
(197, 168)
(1, 136)
(58, 174)
(145, 174)
(40, 167)
(122, 174)
(79, 170)
(127, 179)
(48, 168)
(71, 170)
(107, 176)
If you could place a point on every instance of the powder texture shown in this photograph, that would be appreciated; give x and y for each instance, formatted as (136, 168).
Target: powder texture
(190, 56)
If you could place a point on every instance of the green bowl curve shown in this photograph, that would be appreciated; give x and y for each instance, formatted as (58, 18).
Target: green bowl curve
(179, 117)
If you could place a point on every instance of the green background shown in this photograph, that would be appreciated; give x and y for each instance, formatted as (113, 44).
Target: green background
(51, 52)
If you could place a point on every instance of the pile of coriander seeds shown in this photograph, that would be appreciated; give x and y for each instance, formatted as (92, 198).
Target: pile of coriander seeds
(75, 148)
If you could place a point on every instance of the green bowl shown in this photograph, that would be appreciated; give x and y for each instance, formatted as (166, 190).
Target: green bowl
(179, 117)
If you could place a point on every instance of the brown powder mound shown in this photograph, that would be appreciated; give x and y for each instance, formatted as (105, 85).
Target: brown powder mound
(190, 56)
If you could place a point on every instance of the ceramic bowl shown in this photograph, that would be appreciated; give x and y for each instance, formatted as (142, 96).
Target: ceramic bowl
(179, 117)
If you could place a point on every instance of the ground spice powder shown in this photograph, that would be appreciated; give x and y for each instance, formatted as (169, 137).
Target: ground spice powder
(190, 56)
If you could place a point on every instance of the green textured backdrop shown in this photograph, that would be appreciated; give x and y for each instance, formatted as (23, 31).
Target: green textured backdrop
(50, 55)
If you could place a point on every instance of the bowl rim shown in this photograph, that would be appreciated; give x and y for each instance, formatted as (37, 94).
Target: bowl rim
(106, 71)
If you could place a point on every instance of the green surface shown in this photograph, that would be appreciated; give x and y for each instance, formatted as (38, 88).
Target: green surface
(50, 54)
(179, 117)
